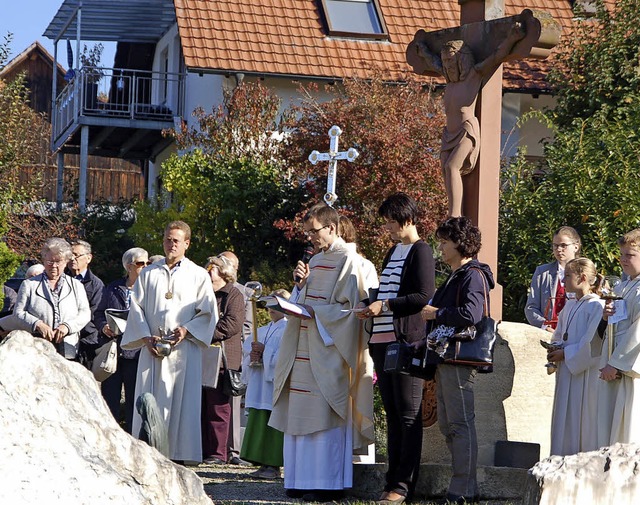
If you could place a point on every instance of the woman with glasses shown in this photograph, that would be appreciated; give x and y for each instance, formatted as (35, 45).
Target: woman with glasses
(53, 305)
(216, 406)
(547, 294)
(117, 295)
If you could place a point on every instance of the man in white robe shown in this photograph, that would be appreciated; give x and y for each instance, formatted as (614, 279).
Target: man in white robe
(323, 380)
(173, 297)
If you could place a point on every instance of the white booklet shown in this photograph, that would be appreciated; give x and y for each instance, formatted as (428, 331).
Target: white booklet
(289, 308)
(117, 320)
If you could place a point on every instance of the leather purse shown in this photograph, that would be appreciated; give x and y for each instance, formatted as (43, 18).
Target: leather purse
(479, 350)
(232, 384)
(106, 361)
(405, 359)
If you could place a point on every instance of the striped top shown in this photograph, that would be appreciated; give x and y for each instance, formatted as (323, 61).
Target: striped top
(382, 330)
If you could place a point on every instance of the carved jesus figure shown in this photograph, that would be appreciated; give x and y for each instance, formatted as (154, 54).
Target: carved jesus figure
(461, 136)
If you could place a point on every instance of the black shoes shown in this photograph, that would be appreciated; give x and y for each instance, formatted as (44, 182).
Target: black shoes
(316, 495)
(214, 461)
(239, 462)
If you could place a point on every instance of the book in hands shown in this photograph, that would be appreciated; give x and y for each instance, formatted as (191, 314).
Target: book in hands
(289, 308)
(117, 320)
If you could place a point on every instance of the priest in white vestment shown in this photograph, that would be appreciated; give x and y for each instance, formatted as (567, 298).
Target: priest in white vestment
(323, 394)
(173, 297)
(619, 391)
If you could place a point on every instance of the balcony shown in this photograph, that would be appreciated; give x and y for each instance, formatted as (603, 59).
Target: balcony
(125, 110)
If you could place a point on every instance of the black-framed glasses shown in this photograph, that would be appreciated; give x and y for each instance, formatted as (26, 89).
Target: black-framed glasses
(312, 232)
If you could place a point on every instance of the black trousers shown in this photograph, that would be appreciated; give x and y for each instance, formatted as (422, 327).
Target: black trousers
(402, 400)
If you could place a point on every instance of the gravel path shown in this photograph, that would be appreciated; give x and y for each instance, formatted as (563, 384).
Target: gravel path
(232, 485)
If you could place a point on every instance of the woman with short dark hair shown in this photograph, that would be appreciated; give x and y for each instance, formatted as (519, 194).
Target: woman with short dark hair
(459, 303)
(406, 285)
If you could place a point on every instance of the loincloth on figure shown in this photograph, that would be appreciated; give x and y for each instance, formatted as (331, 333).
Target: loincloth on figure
(451, 140)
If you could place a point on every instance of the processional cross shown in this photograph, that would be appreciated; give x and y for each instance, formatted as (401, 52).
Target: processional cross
(332, 157)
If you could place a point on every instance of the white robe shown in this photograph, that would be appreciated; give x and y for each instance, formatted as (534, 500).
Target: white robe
(573, 424)
(322, 384)
(259, 380)
(176, 380)
(619, 400)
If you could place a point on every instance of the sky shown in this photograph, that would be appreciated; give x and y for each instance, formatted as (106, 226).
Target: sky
(28, 19)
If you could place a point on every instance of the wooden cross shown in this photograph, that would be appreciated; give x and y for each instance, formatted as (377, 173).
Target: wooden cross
(332, 157)
(484, 29)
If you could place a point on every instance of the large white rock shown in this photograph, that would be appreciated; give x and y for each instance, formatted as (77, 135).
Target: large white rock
(59, 443)
(610, 475)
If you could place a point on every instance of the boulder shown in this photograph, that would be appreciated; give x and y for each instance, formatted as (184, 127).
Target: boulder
(606, 476)
(60, 444)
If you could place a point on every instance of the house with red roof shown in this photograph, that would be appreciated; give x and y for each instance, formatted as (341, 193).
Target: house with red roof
(175, 55)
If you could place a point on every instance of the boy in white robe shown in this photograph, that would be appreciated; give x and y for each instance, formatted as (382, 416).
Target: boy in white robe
(173, 296)
(619, 389)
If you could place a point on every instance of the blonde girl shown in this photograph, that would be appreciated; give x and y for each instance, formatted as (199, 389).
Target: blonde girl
(573, 427)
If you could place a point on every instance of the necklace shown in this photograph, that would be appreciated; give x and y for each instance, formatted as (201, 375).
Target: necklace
(565, 336)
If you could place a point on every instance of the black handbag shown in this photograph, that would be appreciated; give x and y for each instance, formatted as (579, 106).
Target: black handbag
(479, 350)
(405, 359)
(232, 384)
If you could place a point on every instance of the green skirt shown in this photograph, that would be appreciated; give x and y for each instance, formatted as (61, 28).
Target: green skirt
(261, 445)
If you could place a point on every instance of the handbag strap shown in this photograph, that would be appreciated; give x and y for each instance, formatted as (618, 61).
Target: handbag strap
(224, 357)
(484, 289)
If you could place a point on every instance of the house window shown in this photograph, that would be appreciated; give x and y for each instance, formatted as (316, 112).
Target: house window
(354, 18)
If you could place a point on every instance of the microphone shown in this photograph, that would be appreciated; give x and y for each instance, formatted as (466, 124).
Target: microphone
(308, 253)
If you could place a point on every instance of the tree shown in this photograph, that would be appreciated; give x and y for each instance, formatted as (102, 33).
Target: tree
(22, 132)
(396, 128)
(230, 185)
(591, 179)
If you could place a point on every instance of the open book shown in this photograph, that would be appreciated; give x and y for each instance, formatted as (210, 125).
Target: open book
(117, 320)
(289, 308)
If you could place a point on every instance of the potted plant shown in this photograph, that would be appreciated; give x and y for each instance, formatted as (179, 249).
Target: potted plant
(90, 66)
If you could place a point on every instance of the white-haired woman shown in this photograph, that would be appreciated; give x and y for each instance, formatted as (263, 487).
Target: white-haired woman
(117, 295)
(216, 406)
(53, 305)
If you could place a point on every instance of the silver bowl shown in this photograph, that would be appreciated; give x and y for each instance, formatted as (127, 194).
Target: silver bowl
(163, 348)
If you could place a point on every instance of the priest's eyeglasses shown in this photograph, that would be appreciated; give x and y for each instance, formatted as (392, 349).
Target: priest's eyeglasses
(313, 232)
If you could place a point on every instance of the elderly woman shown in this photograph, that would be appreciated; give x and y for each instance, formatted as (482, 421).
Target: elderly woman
(117, 295)
(216, 406)
(459, 303)
(53, 305)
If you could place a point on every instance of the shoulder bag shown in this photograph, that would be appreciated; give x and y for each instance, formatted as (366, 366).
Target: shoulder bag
(479, 350)
(106, 361)
(232, 384)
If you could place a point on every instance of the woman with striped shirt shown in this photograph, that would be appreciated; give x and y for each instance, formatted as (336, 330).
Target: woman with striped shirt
(406, 285)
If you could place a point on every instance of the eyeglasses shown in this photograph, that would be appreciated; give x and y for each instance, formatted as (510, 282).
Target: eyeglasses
(562, 246)
(54, 262)
(141, 263)
(313, 232)
(76, 256)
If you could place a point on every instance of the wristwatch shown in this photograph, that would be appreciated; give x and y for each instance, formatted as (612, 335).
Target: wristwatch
(385, 306)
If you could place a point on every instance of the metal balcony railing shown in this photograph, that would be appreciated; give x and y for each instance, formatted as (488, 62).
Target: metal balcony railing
(119, 93)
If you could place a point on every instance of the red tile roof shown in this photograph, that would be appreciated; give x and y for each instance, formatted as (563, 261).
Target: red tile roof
(288, 37)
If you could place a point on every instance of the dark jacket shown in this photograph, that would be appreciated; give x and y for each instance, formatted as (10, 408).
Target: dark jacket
(229, 325)
(460, 300)
(417, 284)
(89, 335)
(114, 296)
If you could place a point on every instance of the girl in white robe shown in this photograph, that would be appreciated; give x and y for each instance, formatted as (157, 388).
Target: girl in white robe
(619, 389)
(573, 423)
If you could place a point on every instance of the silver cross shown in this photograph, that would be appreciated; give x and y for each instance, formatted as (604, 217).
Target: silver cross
(332, 157)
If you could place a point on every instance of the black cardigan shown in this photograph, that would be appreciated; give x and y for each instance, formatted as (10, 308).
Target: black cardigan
(417, 285)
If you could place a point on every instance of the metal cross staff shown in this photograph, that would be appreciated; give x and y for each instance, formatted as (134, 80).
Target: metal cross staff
(332, 157)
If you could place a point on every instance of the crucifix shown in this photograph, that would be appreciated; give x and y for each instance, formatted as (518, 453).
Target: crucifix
(332, 157)
(470, 57)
